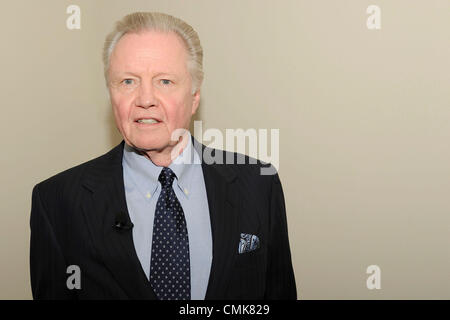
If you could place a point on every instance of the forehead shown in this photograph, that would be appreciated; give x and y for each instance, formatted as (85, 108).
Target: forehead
(152, 51)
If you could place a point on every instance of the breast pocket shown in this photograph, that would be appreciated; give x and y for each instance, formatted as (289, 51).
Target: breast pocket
(250, 259)
(248, 276)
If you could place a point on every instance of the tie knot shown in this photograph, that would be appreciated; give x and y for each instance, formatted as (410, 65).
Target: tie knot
(166, 177)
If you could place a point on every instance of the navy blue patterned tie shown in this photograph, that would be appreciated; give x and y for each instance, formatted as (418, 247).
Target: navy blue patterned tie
(170, 274)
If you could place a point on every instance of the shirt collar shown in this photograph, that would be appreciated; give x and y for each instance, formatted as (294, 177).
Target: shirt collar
(145, 173)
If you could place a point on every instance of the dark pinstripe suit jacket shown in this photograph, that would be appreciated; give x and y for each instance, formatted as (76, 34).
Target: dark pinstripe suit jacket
(73, 222)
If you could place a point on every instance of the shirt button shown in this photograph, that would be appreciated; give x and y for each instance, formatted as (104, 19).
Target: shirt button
(148, 195)
(186, 191)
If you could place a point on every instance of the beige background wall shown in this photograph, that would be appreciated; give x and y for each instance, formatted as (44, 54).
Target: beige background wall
(363, 118)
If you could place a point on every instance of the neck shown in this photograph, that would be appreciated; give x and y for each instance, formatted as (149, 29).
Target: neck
(164, 157)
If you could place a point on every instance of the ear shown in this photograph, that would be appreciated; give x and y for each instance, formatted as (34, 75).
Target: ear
(196, 101)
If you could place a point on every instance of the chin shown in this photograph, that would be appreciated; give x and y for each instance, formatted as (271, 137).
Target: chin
(150, 144)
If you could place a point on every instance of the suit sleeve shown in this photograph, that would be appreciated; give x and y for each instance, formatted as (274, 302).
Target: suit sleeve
(47, 265)
(280, 275)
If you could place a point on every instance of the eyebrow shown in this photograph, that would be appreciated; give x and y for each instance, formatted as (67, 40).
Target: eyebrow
(123, 73)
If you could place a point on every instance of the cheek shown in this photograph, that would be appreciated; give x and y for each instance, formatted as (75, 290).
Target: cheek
(179, 111)
(121, 108)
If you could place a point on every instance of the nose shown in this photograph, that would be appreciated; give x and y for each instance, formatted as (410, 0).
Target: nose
(146, 96)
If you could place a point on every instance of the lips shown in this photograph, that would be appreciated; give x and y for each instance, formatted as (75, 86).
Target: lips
(147, 120)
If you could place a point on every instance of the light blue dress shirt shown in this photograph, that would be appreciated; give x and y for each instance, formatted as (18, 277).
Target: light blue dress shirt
(142, 190)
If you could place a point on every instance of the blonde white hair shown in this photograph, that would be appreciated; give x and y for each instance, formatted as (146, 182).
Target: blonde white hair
(156, 21)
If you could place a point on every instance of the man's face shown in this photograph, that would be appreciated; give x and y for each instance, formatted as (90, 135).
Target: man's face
(151, 89)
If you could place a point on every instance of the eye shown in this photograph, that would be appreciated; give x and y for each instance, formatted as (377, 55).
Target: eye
(165, 82)
(128, 81)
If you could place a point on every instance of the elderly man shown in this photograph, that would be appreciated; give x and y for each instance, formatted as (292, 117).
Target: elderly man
(137, 223)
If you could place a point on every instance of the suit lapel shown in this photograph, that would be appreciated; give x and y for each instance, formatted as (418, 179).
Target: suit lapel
(107, 199)
(223, 202)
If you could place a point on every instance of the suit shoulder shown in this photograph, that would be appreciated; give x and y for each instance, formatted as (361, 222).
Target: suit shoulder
(252, 167)
(72, 177)
(248, 169)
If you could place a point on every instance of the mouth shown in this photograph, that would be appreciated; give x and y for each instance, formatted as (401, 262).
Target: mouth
(147, 121)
